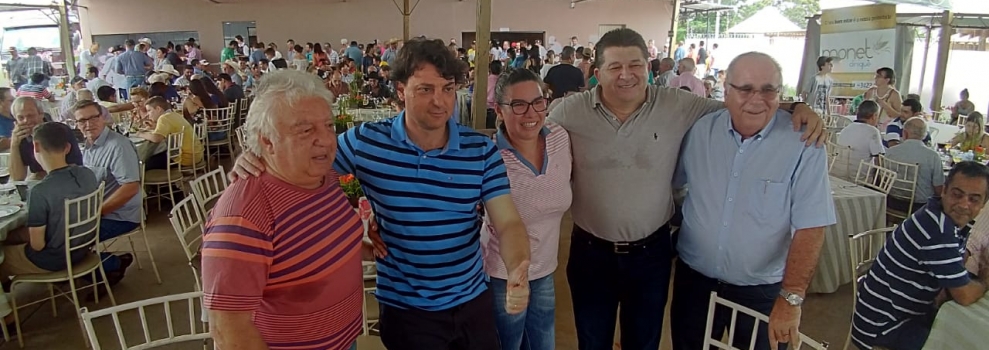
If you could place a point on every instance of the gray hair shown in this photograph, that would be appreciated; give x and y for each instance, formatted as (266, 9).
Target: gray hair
(915, 128)
(276, 95)
(85, 95)
(688, 65)
(754, 54)
(22, 101)
(867, 110)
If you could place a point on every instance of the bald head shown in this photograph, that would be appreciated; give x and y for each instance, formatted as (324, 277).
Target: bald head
(915, 129)
(745, 62)
(666, 64)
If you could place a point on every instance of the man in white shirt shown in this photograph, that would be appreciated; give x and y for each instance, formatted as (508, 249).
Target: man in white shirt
(863, 137)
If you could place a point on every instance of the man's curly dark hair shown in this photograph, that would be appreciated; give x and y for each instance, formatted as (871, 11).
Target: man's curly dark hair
(417, 52)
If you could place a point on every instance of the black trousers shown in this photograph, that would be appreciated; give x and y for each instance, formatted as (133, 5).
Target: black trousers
(688, 313)
(468, 326)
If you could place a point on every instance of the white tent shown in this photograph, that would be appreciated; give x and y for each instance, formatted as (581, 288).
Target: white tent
(767, 20)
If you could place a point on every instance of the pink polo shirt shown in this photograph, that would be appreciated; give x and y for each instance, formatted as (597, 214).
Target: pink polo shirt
(541, 200)
(689, 80)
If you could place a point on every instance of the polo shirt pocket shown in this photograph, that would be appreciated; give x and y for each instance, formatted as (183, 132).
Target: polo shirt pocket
(771, 199)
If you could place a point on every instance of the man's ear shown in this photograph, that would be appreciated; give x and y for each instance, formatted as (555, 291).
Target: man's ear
(400, 90)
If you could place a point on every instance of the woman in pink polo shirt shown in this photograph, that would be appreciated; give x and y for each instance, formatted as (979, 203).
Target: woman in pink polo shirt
(537, 157)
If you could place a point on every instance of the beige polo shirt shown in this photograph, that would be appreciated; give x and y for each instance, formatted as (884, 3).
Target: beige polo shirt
(623, 173)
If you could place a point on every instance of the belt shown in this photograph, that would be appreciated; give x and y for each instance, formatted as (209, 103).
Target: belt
(623, 247)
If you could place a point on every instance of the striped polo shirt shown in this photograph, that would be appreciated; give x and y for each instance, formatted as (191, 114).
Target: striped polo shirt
(426, 207)
(289, 255)
(923, 256)
(38, 92)
(541, 197)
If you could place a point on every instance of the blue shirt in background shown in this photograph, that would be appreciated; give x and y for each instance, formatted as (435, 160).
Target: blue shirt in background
(6, 126)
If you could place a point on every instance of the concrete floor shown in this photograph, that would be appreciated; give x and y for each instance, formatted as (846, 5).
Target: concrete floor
(825, 317)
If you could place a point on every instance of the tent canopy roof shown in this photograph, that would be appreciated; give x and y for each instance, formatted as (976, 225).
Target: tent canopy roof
(767, 20)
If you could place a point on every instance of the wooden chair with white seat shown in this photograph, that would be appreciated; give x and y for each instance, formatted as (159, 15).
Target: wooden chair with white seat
(736, 309)
(81, 214)
(142, 229)
(197, 330)
(863, 249)
(208, 188)
(219, 120)
(171, 176)
(199, 130)
(188, 223)
(873, 176)
(904, 186)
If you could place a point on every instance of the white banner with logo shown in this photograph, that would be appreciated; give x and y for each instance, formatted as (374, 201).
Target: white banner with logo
(860, 52)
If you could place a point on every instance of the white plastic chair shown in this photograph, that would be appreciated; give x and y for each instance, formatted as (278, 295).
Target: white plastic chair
(197, 329)
(760, 318)
(863, 249)
(370, 279)
(208, 188)
(83, 214)
(188, 223)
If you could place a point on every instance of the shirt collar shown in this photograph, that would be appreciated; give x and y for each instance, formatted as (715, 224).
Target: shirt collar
(759, 135)
(935, 204)
(501, 139)
(398, 132)
(101, 140)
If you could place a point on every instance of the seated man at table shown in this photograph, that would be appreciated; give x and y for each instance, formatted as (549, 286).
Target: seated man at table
(108, 99)
(930, 169)
(168, 122)
(923, 258)
(113, 159)
(45, 251)
(894, 130)
(27, 113)
(753, 221)
(6, 117)
(863, 138)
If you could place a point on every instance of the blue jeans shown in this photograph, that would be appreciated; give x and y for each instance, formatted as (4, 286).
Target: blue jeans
(216, 135)
(135, 80)
(534, 328)
(602, 277)
(688, 311)
(110, 229)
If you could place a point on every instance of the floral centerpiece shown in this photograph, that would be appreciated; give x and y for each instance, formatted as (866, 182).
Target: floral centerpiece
(980, 154)
(352, 188)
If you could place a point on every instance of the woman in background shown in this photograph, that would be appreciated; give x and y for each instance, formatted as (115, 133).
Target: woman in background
(974, 134)
(963, 107)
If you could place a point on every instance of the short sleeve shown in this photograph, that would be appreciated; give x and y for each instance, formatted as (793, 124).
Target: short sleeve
(125, 166)
(346, 160)
(163, 127)
(811, 204)
(876, 144)
(942, 258)
(937, 176)
(45, 94)
(237, 257)
(37, 209)
(495, 181)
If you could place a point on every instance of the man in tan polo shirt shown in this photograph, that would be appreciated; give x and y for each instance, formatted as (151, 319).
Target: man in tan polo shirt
(626, 138)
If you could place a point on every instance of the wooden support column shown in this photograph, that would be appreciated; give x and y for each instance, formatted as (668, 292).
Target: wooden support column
(482, 57)
(406, 14)
(674, 26)
(65, 38)
(941, 67)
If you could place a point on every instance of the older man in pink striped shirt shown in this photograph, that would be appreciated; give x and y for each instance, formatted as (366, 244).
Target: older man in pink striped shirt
(687, 78)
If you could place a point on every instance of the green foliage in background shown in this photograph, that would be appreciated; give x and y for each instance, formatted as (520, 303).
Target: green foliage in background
(796, 10)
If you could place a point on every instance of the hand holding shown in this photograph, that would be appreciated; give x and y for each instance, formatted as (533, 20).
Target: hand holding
(784, 325)
(517, 293)
(380, 250)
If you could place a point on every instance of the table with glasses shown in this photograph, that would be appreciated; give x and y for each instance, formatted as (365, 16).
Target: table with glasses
(960, 327)
(858, 209)
(371, 114)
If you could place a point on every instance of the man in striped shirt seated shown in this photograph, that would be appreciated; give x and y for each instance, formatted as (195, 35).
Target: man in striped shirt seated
(424, 175)
(282, 252)
(924, 258)
(36, 89)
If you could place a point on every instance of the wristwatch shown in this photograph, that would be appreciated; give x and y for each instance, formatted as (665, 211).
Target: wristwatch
(791, 298)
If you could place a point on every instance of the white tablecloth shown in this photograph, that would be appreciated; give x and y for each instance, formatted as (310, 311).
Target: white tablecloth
(858, 209)
(960, 327)
(944, 132)
(371, 114)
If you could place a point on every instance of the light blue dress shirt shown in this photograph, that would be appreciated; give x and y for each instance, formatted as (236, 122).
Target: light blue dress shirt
(131, 63)
(746, 198)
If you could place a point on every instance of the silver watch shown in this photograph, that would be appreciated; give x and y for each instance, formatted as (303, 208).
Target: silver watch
(791, 298)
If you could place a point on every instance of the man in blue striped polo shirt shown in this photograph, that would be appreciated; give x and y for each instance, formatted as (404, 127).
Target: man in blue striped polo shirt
(424, 175)
(924, 258)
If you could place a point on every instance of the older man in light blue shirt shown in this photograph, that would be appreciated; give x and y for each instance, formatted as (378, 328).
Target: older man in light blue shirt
(754, 215)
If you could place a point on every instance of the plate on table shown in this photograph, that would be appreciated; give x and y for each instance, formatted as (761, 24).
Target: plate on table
(8, 210)
(4, 171)
(135, 139)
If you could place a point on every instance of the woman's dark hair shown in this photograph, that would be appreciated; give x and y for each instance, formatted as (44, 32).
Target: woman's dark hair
(495, 67)
(621, 37)
(511, 53)
(971, 170)
(158, 89)
(511, 77)
(170, 45)
(889, 73)
(418, 52)
(215, 92)
(297, 48)
(965, 93)
(654, 66)
(197, 88)
(164, 51)
(317, 48)
(823, 60)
